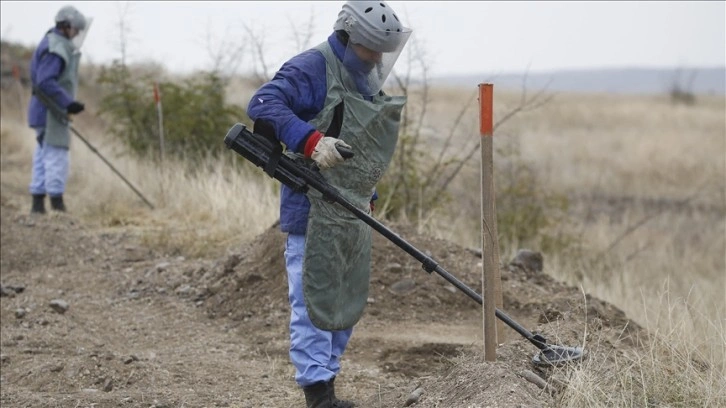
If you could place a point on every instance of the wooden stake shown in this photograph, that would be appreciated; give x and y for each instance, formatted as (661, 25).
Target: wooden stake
(160, 116)
(491, 277)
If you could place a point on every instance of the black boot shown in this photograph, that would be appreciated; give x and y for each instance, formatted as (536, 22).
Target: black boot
(337, 403)
(56, 203)
(38, 204)
(319, 395)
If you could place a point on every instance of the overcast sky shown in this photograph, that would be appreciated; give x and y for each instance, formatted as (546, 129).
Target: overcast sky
(458, 37)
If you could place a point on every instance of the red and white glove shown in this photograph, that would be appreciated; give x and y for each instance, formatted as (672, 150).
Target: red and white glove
(322, 150)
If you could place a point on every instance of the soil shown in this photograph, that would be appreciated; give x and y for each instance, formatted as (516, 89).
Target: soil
(142, 329)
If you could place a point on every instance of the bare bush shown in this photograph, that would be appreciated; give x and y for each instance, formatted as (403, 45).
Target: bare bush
(681, 91)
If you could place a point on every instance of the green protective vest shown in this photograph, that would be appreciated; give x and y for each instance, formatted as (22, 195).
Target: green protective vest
(57, 133)
(337, 261)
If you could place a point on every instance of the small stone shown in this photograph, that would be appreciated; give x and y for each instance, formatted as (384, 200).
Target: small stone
(59, 305)
(5, 291)
(108, 385)
(20, 313)
(403, 287)
(130, 359)
(413, 397)
(17, 288)
(529, 261)
(394, 267)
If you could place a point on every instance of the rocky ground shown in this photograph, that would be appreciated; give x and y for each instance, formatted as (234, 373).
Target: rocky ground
(92, 318)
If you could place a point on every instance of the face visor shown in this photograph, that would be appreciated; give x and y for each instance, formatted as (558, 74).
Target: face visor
(371, 60)
(80, 38)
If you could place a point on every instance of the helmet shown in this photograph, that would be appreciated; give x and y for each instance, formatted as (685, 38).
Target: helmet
(372, 24)
(70, 15)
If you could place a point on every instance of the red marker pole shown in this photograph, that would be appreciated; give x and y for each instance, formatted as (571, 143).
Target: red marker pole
(491, 276)
(160, 114)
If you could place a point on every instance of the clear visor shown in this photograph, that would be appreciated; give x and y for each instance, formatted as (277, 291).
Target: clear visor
(80, 38)
(369, 68)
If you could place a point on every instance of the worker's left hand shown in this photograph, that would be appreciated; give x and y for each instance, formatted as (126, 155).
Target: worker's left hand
(326, 155)
(75, 107)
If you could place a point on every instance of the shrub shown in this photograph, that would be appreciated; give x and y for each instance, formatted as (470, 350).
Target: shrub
(196, 116)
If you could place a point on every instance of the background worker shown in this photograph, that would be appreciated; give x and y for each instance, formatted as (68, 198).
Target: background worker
(54, 73)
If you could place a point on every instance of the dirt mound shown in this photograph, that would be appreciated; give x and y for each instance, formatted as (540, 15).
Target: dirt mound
(251, 285)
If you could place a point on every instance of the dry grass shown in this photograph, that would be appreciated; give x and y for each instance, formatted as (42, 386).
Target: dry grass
(670, 370)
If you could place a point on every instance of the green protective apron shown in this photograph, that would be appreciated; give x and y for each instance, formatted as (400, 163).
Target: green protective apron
(337, 261)
(57, 133)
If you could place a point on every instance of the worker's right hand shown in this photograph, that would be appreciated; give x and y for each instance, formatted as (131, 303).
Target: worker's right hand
(75, 107)
(323, 151)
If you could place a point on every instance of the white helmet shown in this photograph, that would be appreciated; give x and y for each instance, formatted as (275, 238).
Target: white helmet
(72, 16)
(372, 24)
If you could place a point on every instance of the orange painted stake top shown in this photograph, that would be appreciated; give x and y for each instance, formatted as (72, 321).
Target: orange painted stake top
(157, 98)
(486, 116)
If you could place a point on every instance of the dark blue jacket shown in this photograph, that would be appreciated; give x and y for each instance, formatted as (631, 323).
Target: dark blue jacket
(45, 68)
(294, 96)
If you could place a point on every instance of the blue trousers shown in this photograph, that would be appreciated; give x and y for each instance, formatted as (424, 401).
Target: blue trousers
(315, 353)
(50, 168)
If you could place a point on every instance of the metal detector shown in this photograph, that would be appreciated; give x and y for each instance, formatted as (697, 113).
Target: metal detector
(266, 152)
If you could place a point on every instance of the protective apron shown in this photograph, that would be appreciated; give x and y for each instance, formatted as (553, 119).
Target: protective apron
(336, 265)
(57, 133)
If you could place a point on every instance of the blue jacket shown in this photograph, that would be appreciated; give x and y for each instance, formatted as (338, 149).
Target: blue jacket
(45, 68)
(294, 96)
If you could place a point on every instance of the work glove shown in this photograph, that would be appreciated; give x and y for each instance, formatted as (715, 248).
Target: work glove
(75, 107)
(322, 150)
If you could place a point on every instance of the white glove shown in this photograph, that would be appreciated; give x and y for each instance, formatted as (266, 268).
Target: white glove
(326, 155)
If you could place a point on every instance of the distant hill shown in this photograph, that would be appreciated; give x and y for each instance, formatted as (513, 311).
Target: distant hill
(708, 81)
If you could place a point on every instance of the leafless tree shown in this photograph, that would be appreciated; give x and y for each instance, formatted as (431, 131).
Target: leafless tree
(681, 92)
(124, 30)
(413, 83)
(261, 71)
(227, 53)
(421, 184)
(302, 36)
